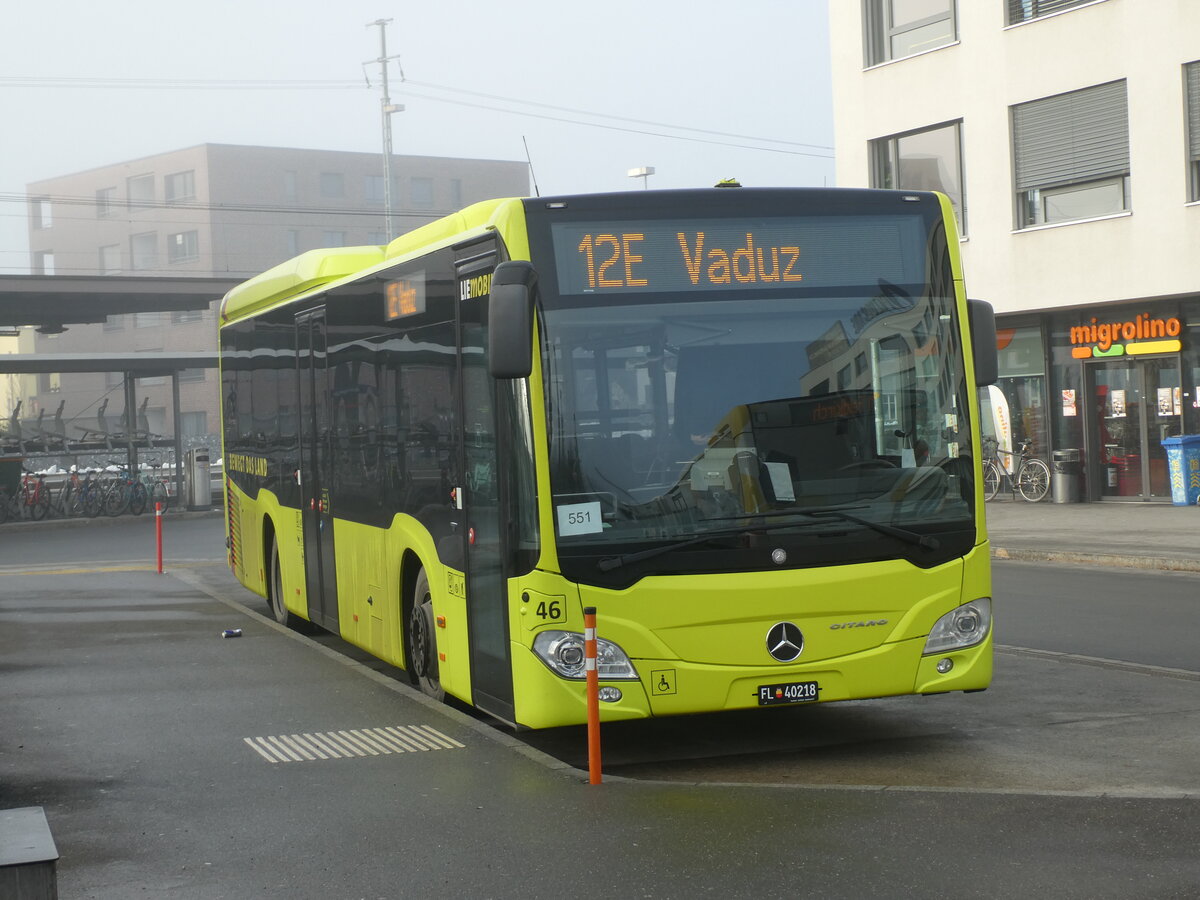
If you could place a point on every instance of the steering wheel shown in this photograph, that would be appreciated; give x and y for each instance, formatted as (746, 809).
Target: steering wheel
(868, 464)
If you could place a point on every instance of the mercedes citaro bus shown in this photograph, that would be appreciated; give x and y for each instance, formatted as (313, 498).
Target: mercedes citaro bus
(741, 423)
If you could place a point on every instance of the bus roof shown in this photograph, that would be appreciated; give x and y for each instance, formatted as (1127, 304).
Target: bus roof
(319, 268)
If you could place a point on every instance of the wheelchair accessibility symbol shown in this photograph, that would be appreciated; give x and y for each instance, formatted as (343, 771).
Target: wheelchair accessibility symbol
(662, 681)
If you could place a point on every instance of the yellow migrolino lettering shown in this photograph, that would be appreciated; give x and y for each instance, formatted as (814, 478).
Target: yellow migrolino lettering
(746, 265)
(1105, 334)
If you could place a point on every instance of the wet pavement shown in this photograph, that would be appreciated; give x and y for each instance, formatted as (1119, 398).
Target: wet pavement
(140, 731)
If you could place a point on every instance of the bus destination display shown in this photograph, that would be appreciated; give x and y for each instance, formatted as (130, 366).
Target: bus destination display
(404, 297)
(653, 255)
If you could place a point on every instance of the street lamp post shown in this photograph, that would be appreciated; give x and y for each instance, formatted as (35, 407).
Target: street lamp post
(644, 173)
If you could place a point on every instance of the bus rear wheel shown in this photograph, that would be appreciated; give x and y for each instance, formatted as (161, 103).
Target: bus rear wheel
(422, 641)
(278, 608)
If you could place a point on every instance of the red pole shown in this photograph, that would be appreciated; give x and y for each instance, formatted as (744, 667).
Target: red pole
(158, 532)
(593, 694)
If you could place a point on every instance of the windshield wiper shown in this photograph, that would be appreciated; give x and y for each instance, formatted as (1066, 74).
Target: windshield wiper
(615, 562)
(924, 541)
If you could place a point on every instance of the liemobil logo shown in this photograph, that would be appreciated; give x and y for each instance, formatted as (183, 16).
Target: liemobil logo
(479, 286)
(785, 641)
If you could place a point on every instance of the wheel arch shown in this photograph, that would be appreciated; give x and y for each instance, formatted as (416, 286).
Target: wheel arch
(268, 538)
(410, 567)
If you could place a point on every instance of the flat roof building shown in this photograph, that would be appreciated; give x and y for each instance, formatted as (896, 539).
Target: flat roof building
(218, 210)
(1067, 133)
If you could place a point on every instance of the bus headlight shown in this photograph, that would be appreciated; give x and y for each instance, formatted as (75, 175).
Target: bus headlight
(563, 652)
(960, 628)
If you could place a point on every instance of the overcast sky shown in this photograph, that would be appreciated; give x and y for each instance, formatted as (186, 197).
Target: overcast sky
(699, 89)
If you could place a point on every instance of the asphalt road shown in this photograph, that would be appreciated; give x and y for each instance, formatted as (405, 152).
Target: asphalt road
(134, 724)
(1147, 617)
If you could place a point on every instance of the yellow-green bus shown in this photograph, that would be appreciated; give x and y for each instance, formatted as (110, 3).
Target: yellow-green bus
(741, 423)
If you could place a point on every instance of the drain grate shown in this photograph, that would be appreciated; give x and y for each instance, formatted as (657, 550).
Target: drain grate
(360, 742)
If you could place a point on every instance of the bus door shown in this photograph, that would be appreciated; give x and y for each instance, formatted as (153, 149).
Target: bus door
(484, 534)
(315, 475)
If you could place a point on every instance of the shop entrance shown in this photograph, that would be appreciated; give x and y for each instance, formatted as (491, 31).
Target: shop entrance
(1136, 402)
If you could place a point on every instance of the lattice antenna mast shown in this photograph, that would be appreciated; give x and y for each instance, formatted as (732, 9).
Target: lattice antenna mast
(387, 108)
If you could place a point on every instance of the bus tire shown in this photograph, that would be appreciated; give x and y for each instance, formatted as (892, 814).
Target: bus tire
(275, 591)
(422, 641)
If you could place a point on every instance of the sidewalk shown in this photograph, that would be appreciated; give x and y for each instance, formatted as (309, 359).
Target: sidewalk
(1136, 535)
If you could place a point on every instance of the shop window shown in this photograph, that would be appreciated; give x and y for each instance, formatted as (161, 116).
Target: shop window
(1071, 155)
(1190, 359)
(1015, 407)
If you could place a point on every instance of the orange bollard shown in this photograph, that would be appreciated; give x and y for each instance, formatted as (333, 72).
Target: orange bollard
(158, 533)
(593, 694)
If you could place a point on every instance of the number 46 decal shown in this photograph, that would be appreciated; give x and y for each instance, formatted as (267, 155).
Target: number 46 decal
(543, 609)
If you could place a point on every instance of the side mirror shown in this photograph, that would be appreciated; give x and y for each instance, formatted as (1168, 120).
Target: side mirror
(510, 320)
(981, 319)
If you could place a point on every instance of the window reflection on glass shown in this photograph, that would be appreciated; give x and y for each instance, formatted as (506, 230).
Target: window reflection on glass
(899, 28)
(1084, 201)
(928, 160)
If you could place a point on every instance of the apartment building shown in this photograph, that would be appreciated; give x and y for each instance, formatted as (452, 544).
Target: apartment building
(220, 210)
(1067, 134)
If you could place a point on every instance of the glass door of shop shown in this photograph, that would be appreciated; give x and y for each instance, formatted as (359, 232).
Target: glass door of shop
(1136, 402)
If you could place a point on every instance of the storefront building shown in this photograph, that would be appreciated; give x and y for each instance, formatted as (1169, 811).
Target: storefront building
(1072, 160)
(1110, 381)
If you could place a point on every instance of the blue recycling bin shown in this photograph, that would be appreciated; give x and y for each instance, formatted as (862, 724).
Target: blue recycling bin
(1183, 465)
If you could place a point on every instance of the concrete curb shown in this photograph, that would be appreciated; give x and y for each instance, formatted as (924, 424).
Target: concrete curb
(1162, 563)
(102, 520)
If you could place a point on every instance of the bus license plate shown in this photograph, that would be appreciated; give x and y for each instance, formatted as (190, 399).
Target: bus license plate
(796, 692)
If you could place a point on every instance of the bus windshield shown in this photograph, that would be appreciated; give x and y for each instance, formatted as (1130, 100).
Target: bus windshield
(670, 419)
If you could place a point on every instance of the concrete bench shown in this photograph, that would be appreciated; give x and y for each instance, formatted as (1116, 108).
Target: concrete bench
(27, 855)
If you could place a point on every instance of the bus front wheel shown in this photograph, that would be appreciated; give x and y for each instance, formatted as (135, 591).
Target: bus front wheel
(422, 641)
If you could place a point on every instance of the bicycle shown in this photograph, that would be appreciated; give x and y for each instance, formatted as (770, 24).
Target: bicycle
(156, 487)
(32, 499)
(1031, 478)
(124, 493)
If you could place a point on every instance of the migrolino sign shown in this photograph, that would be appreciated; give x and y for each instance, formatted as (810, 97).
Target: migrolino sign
(1136, 336)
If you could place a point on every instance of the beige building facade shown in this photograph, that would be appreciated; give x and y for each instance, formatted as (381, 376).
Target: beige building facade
(216, 210)
(1067, 133)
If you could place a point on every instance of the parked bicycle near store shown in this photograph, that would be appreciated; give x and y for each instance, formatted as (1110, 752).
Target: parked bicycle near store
(1030, 476)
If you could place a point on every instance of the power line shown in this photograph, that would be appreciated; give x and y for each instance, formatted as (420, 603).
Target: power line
(319, 84)
(198, 84)
(570, 109)
(136, 205)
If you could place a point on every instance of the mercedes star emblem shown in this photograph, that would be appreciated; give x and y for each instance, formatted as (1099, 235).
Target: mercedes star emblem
(785, 641)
